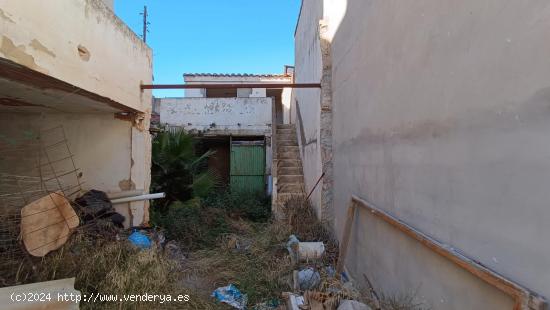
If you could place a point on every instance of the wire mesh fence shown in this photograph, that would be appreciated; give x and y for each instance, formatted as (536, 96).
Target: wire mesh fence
(32, 166)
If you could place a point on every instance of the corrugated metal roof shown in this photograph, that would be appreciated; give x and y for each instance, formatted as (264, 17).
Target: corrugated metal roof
(235, 75)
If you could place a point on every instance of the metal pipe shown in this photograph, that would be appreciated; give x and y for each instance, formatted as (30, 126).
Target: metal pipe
(138, 198)
(230, 86)
(131, 193)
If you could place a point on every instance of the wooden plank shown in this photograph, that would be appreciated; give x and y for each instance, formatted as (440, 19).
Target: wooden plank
(524, 298)
(345, 238)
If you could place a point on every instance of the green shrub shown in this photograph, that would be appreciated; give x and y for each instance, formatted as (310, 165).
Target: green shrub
(251, 206)
(191, 224)
(177, 170)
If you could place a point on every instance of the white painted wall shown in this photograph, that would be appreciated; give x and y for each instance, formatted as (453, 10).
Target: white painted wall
(195, 93)
(286, 99)
(230, 115)
(258, 92)
(47, 38)
(439, 117)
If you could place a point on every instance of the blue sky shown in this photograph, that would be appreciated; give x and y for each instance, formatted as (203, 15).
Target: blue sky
(222, 36)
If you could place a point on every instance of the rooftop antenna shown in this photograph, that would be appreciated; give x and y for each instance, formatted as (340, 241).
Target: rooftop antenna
(145, 24)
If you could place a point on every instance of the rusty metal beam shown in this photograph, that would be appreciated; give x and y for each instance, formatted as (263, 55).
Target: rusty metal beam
(524, 298)
(231, 86)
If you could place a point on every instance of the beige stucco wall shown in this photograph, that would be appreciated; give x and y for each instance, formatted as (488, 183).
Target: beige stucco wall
(439, 117)
(51, 37)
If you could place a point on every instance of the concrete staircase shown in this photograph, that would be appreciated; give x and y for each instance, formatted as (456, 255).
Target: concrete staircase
(290, 177)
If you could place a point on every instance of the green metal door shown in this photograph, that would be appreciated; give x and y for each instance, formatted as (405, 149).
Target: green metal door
(247, 166)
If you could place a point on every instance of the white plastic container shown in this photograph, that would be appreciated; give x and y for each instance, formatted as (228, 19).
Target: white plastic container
(310, 250)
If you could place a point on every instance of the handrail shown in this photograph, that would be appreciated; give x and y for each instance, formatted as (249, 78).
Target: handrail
(524, 298)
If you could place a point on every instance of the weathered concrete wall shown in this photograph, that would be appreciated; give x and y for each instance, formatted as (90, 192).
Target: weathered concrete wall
(80, 42)
(306, 105)
(101, 145)
(109, 3)
(440, 119)
(219, 116)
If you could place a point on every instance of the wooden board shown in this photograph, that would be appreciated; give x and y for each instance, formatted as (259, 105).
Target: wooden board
(47, 223)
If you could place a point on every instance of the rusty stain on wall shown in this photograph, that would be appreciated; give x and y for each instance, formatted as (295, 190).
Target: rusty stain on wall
(40, 47)
(126, 185)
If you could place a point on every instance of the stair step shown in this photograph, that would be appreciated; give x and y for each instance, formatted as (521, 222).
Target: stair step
(286, 131)
(289, 171)
(289, 163)
(288, 148)
(288, 155)
(286, 136)
(290, 188)
(286, 126)
(287, 143)
(289, 179)
(282, 198)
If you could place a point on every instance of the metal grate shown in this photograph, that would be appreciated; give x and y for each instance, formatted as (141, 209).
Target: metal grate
(31, 167)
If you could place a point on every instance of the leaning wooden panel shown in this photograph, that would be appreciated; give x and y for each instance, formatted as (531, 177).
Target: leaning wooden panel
(47, 223)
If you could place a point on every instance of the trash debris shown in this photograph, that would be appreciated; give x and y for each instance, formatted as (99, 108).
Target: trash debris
(268, 305)
(308, 279)
(310, 250)
(352, 305)
(237, 243)
(173, 251)
(321, 300)
(95, 204)
(331, 272)
(47, 223)
(293, 301)
(118, 220)
(140, 240)
(159, 238)
(304, 251)
(292, 247)
(231, 295)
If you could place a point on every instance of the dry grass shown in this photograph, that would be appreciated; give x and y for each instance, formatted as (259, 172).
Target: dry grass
(116, 267)
(261, 269)
(253, 257)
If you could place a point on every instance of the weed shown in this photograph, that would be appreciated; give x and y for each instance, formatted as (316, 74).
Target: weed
(262, 271)
(192, 225)
(251, 206)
